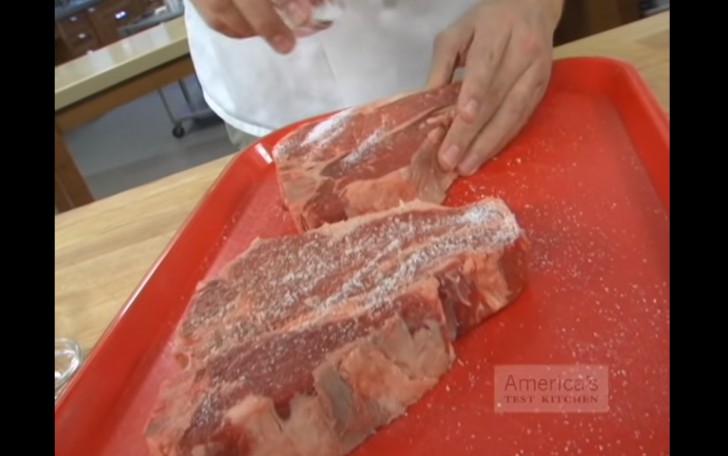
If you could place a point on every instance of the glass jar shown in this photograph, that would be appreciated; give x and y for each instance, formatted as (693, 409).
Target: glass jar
(68, 359)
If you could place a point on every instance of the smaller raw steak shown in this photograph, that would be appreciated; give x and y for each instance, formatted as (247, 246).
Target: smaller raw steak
(306, 344)
(367, 159)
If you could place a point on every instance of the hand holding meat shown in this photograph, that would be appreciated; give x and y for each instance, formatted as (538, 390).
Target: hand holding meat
(505, 47)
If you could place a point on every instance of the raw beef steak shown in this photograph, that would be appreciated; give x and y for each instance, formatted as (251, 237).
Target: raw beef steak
(306, 344)
(367, 159)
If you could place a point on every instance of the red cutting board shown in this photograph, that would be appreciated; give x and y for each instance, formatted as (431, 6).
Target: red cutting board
(588, 179)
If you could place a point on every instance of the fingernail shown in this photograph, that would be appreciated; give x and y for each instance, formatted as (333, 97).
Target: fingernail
(469, 166)
(450, 157)
(471, 109)
(282, 43)
(296, 14)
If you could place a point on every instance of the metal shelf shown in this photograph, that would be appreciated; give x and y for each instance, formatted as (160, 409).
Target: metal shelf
(190, 112)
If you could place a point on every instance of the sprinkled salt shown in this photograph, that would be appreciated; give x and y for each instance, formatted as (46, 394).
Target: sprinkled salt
(363, 148)
(328, 129)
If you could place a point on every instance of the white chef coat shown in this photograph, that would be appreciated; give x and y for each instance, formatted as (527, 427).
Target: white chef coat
(376, 49)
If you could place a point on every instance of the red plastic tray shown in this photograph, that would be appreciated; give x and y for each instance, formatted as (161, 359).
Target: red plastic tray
(588, 179)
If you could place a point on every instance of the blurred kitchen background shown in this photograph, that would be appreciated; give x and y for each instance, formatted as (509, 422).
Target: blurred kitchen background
(142, 140)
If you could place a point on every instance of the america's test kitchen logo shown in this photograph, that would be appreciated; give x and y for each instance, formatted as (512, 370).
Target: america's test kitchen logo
(551, 388)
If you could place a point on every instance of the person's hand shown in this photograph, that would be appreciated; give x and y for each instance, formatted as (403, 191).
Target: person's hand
(506, 49)
(247, 18)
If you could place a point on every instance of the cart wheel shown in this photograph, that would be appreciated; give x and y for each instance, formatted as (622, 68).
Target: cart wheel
(178, 131)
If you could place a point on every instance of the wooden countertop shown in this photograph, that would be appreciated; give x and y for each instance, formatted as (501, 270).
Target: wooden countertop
(120, 61)
(104, 249)
(645, 44)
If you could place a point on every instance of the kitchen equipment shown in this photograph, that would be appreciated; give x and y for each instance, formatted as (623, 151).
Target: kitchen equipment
(69, 356)
(589, 180)
(195, 109)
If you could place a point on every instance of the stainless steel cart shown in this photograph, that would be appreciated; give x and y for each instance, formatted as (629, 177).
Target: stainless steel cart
(194, 110)
(652, 7)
